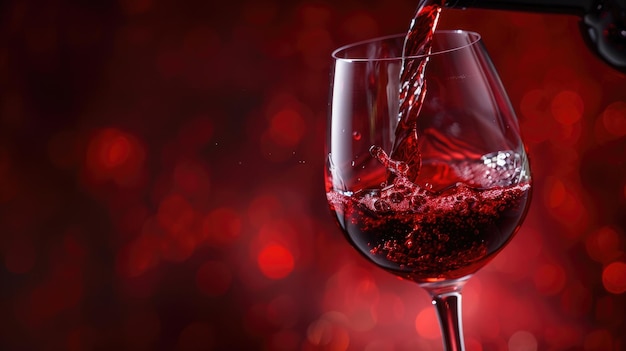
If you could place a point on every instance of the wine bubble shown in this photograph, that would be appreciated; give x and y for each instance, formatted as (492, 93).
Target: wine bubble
(382, 206)
(356, 136)
(471, 203)
(417, 201)
(409, 244)
(461, 206)
(396, 197)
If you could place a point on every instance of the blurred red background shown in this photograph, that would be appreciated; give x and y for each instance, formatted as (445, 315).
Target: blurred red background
(161, 183)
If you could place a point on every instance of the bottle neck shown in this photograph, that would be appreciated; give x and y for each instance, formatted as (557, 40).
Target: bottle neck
(574, 7)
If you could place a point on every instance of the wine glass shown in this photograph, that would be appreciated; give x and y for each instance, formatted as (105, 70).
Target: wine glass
(434, 199)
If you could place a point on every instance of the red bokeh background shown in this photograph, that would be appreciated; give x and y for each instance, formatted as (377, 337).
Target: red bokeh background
(161, 183)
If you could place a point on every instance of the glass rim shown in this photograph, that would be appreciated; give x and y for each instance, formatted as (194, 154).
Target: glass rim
(477, 38)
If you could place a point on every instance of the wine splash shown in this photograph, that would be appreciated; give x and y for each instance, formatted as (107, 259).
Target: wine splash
(431, 235)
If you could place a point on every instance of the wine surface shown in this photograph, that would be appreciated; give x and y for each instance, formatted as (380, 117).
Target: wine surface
(432, 235)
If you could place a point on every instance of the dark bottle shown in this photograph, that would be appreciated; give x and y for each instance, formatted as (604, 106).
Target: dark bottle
(602, 22)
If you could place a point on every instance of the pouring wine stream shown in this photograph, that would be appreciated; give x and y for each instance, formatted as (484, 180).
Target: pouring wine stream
(446, 297)
(418, 42)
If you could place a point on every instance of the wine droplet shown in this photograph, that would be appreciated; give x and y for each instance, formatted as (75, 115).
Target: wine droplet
(356, 136)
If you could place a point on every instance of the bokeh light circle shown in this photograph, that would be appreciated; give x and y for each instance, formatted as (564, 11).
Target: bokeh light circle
(614, 118)
(113, 154)
(614, 277)
(329, 332)
(287, 128)
(604, 244)
(567, 107)
(523, 341)
(426, 324)
(275, 261)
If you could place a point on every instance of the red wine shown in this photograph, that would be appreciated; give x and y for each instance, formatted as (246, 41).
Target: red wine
(443, 230)
(418, 42)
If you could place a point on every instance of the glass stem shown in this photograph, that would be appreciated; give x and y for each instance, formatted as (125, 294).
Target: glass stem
(447, 301)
